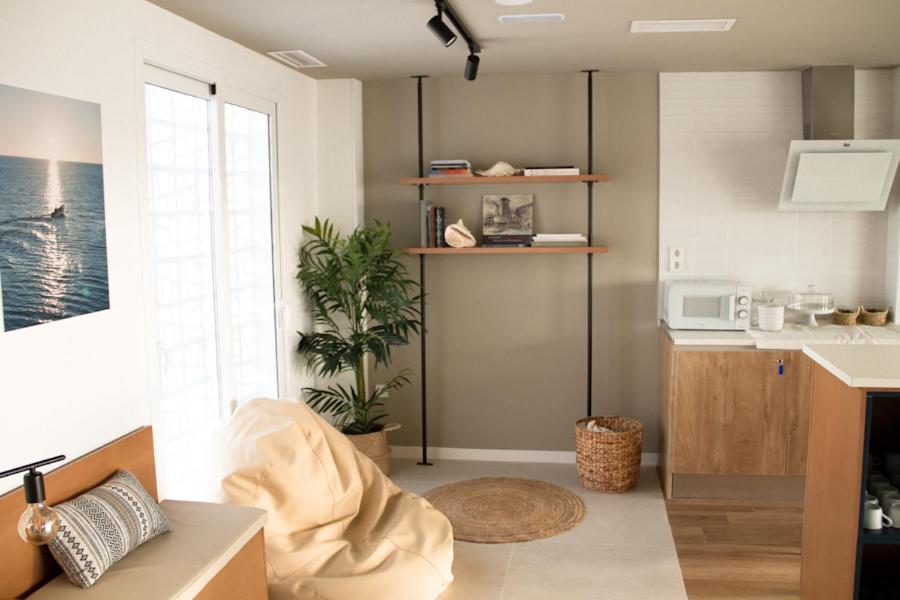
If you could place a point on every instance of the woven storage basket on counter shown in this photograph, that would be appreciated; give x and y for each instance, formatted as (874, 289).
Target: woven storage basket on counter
(609, 462)
(846, 316)
(873, 316)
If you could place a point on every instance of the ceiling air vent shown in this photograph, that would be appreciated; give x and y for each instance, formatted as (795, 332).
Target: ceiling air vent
(297, 59)
(682, 25)
(535, 18)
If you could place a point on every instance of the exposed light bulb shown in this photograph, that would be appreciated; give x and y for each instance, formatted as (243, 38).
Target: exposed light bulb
(38, 524)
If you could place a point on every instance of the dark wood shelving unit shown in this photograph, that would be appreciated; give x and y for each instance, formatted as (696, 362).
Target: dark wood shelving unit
(588, 179)
(877, 550)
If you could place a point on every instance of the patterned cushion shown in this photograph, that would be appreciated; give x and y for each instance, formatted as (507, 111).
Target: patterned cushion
(101, 526)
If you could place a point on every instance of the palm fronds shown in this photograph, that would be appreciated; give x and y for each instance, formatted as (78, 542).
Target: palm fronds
(363, 304)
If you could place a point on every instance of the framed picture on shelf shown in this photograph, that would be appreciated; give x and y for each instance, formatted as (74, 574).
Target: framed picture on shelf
(508, 214)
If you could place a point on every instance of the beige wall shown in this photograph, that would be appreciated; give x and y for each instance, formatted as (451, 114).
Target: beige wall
(507, 337)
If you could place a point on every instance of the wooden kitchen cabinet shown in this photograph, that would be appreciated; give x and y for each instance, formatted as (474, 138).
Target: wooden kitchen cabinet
(732, 417)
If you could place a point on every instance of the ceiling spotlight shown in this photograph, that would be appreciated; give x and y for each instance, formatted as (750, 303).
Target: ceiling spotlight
(439, 28)
(472, 67)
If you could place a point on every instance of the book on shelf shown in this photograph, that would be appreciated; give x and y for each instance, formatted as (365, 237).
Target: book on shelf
(558, 240)
(450, 168)
(511, 241)
(451, 161)
(551, 170)
(431, 226)
(450, 173)
(424, 233)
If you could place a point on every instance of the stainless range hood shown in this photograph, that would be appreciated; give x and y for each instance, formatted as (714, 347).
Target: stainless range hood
(829, 170)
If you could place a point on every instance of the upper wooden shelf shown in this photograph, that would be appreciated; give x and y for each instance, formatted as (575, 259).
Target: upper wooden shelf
(504, 250)
(474, 180)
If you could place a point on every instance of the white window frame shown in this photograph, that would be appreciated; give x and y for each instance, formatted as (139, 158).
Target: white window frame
(174, 72)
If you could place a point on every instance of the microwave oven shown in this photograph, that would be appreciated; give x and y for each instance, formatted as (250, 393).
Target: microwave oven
(717, 305)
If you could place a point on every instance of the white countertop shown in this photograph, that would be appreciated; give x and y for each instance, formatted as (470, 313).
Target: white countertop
(793, 337)
(860, 366)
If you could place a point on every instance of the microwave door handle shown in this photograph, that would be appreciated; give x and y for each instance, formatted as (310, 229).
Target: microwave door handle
(731, 303)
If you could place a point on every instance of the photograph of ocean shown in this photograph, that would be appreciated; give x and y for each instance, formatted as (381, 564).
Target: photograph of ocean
(53, 262)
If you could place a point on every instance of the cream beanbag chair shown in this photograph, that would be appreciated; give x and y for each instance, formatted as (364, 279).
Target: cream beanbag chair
(337, 527)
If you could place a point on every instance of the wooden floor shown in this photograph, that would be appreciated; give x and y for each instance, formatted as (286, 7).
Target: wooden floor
(738, 550)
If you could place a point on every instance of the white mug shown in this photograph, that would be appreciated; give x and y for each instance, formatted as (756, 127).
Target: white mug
(891, 508)
(895, 478)
(888, 498)
(885, 491)
(876, 482)
(893, 512)
(889, 501)
(771, 318)
(874, 518)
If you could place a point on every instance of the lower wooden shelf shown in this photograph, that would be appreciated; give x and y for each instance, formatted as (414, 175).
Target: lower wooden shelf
(888, 535)
(501, 250)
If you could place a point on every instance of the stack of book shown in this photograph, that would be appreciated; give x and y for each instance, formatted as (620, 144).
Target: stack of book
(506, 241)
(558, 240)
(545, 171)
(450, 168)
(431, 226)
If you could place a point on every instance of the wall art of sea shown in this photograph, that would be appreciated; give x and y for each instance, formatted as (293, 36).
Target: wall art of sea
(51, 267)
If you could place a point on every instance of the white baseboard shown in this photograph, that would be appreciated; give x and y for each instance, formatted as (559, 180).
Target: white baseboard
(494, 455)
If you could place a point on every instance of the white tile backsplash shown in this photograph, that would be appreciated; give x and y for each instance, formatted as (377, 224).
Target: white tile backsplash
(723, 144)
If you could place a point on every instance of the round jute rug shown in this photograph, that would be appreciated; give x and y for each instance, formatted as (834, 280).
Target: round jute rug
(497, 510)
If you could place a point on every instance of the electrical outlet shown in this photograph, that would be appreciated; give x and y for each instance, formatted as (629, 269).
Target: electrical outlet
(378, 388)
(676, 260)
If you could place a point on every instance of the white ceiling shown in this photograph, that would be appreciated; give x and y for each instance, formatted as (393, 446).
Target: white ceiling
(382, 39)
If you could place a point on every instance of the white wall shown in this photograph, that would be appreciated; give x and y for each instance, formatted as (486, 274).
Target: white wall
(723, 143)
(70, 386)
(340, 152)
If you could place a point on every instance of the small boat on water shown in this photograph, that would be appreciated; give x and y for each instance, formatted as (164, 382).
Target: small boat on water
(58, 212)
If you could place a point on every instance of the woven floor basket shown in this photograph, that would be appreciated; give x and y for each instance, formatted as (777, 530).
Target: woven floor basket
(609, 462)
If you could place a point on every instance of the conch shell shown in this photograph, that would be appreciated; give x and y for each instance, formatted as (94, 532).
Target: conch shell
(458, 236)
(500, 169)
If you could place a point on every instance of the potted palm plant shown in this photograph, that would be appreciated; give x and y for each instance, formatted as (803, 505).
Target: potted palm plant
(363, 304)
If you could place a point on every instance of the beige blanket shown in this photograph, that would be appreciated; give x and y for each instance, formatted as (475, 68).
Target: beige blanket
(337, 527)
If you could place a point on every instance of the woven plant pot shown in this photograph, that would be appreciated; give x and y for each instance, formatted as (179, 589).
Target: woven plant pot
(609, 462)
(375, 446)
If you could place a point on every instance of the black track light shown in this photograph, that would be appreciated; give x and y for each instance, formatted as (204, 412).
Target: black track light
(440, 30)
(472, 67)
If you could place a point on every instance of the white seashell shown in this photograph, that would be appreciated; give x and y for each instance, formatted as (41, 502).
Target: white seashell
(500, 169)
(458, 236)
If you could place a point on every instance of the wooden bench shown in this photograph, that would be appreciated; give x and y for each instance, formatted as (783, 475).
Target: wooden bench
(215, 551)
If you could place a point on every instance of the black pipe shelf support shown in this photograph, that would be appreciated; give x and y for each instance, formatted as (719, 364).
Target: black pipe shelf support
(422, 335)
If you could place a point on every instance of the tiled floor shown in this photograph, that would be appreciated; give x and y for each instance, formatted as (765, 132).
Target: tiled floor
(623, 550)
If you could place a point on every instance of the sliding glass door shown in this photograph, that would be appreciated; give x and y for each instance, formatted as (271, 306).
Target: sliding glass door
(251, 273)
(210, 216)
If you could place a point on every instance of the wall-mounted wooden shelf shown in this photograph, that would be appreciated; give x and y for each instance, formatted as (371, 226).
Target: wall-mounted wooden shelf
(511, 179)
(588, 180)
(500, 250)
